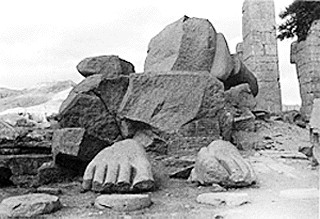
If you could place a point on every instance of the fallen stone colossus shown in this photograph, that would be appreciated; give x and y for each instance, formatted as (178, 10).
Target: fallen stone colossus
(192, 94)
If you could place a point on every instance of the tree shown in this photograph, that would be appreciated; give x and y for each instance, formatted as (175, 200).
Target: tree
(299, 18)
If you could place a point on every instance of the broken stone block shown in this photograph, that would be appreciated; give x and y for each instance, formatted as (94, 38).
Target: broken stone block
(175, 104)
(167, 101)
(186, 45)
(110, 66)
(131, 202)
(223, 64)
(30, 205)
(72, 146)
(93, 104)
(240, 97)
(221, 163)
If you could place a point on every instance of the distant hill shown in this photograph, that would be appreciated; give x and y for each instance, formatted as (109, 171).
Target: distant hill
(5, 92)
(47, 94)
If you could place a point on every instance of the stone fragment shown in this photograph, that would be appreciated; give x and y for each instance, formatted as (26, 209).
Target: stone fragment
(293, 117)
(223, 199)
(217, 188)
(240, 97)
(223, 63)
(186, 45)
(244, 120)
(110, 66)
(241, 74)
(76, 144)
(130, 202)
(30, 205)
(93, 104)
(221, 163)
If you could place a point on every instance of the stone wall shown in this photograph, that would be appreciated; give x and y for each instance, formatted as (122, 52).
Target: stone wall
(306, 56)
(260, 53)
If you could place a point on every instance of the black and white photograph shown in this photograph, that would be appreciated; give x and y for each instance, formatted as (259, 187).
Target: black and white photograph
(160, 109)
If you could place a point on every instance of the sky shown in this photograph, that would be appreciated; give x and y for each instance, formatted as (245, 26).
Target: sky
(43, 41)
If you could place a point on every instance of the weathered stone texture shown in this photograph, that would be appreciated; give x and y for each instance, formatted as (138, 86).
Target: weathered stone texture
(306, 56)
(93, 104)
(185, 45)
(240, 97)
(221, 163)
(109, 66)
(25, 164)
(175, 104)
(128, 202)
(29, 206)
(223, 64)
(169, 101)
(76, 143)
(260, 51)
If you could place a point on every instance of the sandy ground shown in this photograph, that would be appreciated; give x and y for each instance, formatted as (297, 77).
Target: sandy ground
(286, 188)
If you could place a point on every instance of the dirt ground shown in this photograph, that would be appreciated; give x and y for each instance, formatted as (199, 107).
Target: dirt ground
(279, 172)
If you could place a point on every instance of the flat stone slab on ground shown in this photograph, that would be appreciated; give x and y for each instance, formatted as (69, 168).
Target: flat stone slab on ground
(29, 205)
(123, 202)
(223, 198)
